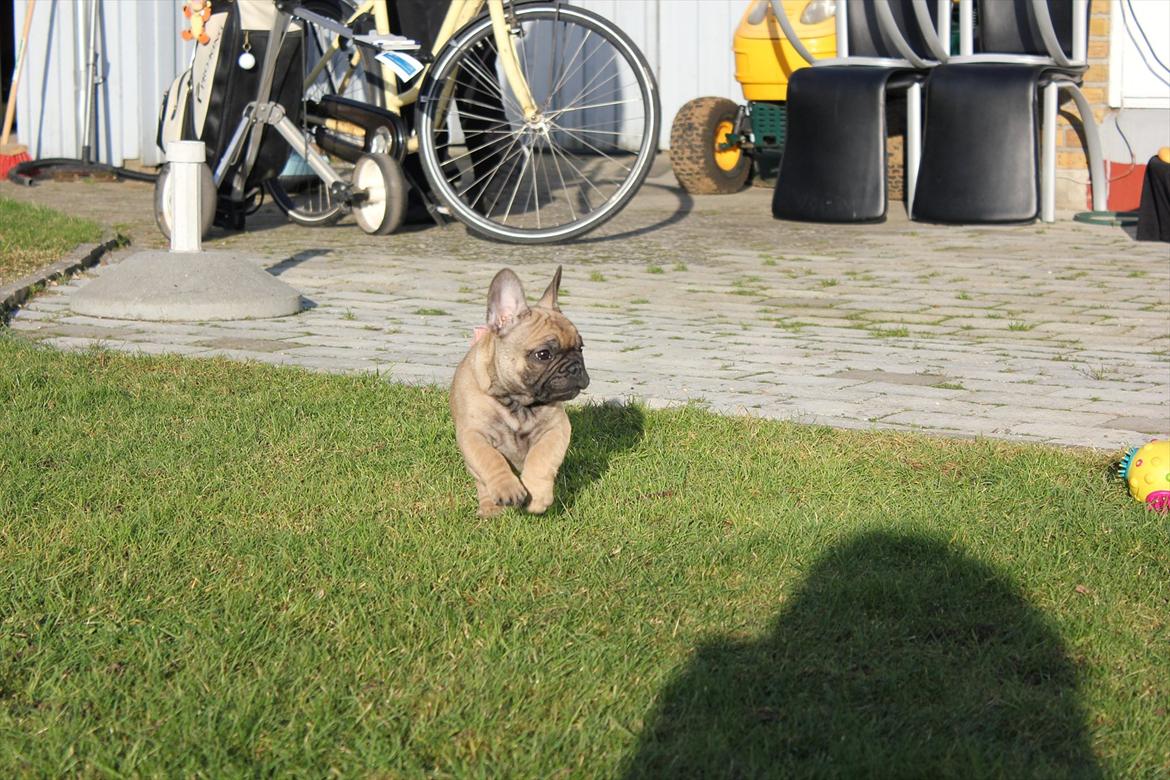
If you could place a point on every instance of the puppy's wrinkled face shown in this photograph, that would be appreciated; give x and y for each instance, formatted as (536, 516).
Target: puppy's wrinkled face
(538, 350)
(542, 352)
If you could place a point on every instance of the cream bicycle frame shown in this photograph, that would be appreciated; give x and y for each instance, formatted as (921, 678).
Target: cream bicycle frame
(459, 13)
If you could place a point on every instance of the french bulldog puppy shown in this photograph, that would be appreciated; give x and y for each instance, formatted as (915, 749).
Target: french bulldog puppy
(507, 396)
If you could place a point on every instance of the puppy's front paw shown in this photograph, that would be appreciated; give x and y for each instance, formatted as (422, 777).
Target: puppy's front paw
(508, 493)
(539, 501)
(488, 509)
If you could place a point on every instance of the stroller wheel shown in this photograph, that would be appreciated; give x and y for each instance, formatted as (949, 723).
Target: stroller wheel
(164, 201)
(379, 190)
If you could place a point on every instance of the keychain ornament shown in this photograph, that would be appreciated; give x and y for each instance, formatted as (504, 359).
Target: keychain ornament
(198, 12)
(247, 60)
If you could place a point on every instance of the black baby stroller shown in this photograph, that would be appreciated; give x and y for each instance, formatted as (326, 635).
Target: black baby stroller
(243, 96)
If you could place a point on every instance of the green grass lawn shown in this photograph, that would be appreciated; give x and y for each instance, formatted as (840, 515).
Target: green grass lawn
(211, 569)
(32, 237)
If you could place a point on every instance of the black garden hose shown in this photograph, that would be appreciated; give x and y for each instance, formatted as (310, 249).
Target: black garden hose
(28, 173)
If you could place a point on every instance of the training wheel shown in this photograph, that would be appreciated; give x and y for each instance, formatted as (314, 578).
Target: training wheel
(380, 194)
(164, 200)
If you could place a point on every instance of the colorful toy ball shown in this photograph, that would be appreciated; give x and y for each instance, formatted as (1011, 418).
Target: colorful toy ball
(1146, 470)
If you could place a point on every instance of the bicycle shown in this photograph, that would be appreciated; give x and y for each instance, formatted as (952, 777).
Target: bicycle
(532, 122)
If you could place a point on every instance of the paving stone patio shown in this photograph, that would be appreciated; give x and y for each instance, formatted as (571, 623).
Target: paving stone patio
(1048, 333)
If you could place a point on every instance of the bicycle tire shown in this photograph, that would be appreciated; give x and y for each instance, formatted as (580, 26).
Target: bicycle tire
(464, 78)
(297, 191)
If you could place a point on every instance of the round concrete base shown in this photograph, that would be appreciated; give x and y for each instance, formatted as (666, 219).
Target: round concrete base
(186, 286)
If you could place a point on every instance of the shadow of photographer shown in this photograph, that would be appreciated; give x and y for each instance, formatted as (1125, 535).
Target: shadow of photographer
(600, 431)
(898, 656)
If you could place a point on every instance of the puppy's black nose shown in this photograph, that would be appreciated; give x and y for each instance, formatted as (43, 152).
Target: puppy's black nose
(579, 374)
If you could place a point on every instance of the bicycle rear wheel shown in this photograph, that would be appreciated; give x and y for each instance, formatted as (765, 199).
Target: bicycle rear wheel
(329, 69)
(565, 170)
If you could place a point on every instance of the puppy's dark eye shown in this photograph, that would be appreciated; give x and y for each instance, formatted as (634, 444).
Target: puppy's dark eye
(542, 355)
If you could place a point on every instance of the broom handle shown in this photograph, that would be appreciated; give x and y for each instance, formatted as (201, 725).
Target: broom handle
(10, 111)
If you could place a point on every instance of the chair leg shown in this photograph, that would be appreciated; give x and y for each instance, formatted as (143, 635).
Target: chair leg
(1048, 155)
(1093, 141)
(913, 143)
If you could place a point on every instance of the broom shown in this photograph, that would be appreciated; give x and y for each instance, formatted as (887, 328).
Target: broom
(13, 154)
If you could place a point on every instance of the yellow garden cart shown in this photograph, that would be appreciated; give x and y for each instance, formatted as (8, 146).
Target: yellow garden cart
(715, 144)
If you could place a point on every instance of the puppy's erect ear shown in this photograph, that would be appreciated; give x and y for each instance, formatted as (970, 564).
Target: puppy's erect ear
(506, 302)
(549, 299)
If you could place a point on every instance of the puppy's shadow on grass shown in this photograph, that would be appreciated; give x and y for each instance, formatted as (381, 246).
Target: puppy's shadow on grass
(600, 432)
(898, 656)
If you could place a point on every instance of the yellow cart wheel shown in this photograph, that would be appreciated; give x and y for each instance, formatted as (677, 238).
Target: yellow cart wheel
(699, 153)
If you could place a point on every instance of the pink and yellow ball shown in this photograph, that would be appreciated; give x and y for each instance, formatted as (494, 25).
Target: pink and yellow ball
(1146, 470)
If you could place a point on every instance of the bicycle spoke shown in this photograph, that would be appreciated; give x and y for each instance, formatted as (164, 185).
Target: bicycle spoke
(594, 105)
(505, 156)
(489, 106)
(574, 136)
(455, 160)
(516, 188)
(477, 84)
(552, 63)
(608, 123)
(557, 88)
(470, 151)
(535, 191)
(560, 175)
(473, 150)
(581, 67)
(589, 88)
(581, 173)
(477, 116)
(487, 79)
(621, 89)
(479, 79)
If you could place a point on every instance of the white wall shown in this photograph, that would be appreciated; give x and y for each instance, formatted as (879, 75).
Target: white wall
(1139, 52)
(1139, 85)
(688, 44)
(141, 53)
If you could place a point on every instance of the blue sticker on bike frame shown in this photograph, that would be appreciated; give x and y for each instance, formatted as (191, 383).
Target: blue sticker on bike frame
(403, 65)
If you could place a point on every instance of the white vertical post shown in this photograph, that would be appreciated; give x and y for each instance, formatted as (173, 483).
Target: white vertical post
(944, 25)
(913, 151)
(186, 159)
(966, 28)
(1080, 53)
(842, 28)
(1048, 155)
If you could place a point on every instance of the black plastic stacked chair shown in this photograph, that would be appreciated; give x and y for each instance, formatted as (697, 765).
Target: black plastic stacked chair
(980, 158)
(834, 164)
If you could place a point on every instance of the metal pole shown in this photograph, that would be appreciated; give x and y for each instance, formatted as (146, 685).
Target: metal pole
(913, 149)
(966, 28)
(88, 124)
(1048, 155)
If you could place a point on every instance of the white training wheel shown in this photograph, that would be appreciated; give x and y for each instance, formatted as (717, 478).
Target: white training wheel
(380, 190)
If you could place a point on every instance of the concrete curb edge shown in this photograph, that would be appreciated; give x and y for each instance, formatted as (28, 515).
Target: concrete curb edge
(13, 295)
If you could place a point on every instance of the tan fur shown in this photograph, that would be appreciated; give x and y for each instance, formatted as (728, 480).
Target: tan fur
(503, 429)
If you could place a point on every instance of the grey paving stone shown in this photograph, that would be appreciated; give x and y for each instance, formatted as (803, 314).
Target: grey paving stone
(246, 344)
(1095, 360)
(149, 348)
(1155, 426)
